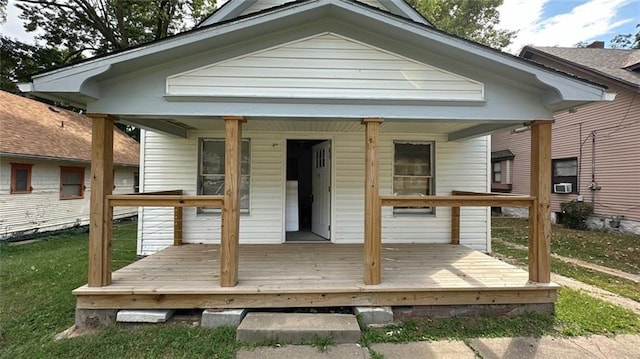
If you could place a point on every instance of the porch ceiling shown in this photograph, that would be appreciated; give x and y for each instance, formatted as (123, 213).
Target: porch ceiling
(455, 130)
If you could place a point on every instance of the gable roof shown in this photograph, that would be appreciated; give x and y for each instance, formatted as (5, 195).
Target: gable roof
(80, 83)
(35, 129)
(235, 8)
(615, 64)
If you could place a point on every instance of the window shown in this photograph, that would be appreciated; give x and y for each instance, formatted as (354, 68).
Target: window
(136, 182)
(497, 172)
(71, 182)
(211, 172)
(565, 170)
(413, 173)
(20, 178)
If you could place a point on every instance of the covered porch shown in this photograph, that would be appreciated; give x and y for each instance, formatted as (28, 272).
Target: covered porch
(373, 273)
(316, 275)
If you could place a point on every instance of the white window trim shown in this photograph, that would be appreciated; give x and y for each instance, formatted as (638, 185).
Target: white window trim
(201, 211)
(404, 212)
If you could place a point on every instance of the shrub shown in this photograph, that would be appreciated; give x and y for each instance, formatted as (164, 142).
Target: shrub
(575, 214)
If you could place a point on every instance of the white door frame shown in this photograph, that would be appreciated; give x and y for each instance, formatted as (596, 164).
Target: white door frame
(322, 136)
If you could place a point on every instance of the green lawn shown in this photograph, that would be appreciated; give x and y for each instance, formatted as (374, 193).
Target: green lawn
(36, 281)
(609, 249)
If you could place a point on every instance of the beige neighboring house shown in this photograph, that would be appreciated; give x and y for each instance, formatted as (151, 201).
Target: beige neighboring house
(596, 150)
(45, 167)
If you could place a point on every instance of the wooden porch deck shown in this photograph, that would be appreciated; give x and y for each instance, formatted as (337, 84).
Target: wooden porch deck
(315, 275)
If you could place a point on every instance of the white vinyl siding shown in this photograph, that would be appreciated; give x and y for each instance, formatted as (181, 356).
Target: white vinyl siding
(171, 163)
(42, 210)
(325, 66)
(260, 5)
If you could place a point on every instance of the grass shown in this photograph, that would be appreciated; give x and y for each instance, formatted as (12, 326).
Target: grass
(610, 249)
(36, 281)
(576, 314)
(613, 284)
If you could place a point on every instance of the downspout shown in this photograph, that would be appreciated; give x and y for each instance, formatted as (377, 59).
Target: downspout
(579, 158)
(593, 167)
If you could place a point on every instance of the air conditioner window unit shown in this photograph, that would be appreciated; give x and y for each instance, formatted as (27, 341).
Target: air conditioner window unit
(562, 188)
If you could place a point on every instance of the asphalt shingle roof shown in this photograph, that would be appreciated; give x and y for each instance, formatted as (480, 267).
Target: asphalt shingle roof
(609, 62)
(32, 128)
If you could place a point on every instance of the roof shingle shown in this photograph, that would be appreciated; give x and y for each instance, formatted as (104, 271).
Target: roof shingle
(31, 128)
(608, 62)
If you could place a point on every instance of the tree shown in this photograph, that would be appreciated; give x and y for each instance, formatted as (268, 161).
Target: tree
(626, 41)
(3, 11)
(100, 26)
(20, 60)
(471, 19)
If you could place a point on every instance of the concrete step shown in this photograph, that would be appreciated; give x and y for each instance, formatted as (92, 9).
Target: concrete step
(298, 327)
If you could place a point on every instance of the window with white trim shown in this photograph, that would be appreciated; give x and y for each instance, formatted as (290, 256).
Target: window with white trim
(565, 170)
(211, 171)
(413, 173)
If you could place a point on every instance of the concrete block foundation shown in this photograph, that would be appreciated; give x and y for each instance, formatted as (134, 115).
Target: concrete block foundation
(374, 315)
(215, 318)
(95, 318)
(474, 310)
(144, 316)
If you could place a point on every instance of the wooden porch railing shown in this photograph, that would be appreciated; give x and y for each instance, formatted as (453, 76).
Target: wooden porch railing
(174, 199)
(457, 200)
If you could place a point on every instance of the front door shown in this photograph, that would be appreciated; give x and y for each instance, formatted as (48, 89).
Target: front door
(321, 189)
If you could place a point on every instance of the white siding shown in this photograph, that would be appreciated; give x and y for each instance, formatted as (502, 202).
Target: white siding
(171, 163)
(266, 4)
(42, 210)
(325, 66)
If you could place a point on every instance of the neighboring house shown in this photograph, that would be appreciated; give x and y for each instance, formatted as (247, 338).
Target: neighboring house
(365, 117)
(45, 160)
(596, 152)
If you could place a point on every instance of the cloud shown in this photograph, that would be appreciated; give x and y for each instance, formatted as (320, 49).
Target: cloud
(585, 22)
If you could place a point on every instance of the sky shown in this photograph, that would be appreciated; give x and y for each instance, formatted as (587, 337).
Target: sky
(537, 22)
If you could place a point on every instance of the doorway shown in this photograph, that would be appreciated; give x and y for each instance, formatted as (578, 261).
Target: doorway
(308, 191)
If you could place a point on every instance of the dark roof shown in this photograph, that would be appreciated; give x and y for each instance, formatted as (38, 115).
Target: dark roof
(502, 155)
(35, 129)
(611, 63)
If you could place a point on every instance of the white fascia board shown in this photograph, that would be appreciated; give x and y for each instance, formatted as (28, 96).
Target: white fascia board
(494, 61)
(236, 7)
(228, 11)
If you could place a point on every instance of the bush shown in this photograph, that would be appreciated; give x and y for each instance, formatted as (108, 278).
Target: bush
(575, 214)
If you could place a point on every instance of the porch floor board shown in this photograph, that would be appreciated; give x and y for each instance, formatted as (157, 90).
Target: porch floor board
(302, 275)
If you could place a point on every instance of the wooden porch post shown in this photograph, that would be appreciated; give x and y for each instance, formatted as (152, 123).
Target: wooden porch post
(540, 213)
(372, 209)
(231, 207)
(101, 215)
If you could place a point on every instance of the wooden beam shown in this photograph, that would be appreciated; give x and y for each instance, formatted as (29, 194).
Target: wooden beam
(101, 214)
(231, 207)
(455, 225)
(457, 201)
(540, 216)
(372, 208)
(177, 225)
(157, 200)
(356, 297)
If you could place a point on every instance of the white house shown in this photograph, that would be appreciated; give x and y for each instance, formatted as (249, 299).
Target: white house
(45, 155)
(360, 114)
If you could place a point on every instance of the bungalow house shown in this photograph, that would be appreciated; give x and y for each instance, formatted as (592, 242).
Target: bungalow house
(595, 150)
(45, 160)
(315, 153)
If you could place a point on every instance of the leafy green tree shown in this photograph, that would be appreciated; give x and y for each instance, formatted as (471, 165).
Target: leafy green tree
(3, 11)
(19, 60)
(626, 41)
(471, 19)
(99, 26)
